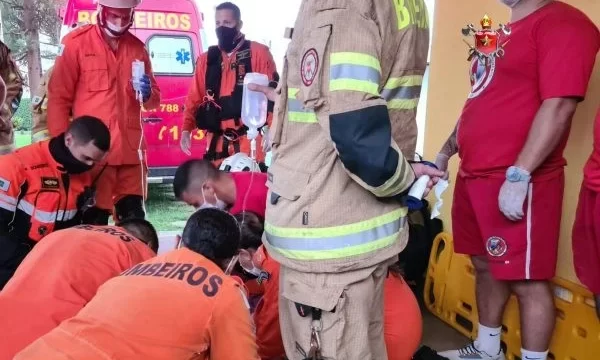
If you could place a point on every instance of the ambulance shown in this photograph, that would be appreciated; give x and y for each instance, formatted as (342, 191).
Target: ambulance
(174, 35)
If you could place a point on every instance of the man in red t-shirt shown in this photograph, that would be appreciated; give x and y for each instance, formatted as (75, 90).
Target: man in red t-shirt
(200, 184)
(586, 230)
(62, 274)
(510, 138)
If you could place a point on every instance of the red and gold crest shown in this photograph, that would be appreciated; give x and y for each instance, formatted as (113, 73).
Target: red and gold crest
(487, 41)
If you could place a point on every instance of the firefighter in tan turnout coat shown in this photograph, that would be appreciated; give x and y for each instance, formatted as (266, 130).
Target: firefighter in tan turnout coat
(345, 128)
(9, 71)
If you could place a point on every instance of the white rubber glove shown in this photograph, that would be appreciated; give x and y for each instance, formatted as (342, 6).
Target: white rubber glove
(186, 142)
(512, 198)
(441, 161)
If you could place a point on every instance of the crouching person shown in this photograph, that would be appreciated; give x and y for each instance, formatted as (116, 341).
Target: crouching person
(62, 274)
(179, 305)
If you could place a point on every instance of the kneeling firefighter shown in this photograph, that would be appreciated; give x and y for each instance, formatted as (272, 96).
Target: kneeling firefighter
(214, 101)
(46, 187)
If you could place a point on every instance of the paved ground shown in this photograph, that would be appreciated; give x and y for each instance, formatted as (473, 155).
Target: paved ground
(436, 334)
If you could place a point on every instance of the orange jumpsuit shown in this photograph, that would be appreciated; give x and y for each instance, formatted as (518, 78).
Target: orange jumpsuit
(59, 277)
(36, 198)
(175, 306)
(261, 61)
(402, 316)
(89, 78)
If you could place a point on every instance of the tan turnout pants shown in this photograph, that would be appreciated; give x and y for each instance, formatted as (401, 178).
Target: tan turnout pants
(352, 312)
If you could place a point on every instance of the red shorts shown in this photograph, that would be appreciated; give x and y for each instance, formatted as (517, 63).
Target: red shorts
(522, 250)
(586, 239)
(115, 182)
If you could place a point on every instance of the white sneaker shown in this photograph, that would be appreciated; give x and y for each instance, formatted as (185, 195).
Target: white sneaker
(469, 352)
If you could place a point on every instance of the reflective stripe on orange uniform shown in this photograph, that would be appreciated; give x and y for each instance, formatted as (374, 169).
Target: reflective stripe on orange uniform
(176, 306)
(90, 79)
(59, 277)
(262, 62)
(14, 91)
(36, 198)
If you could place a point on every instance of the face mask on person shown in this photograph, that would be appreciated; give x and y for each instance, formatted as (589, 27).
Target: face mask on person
(510, 3)
(113, 30)
(219, 204)
(227, 37)
(63, 155)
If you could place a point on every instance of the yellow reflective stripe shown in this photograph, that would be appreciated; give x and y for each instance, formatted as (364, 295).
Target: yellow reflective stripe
(292, 93)
(403, 175)
(409, 80)
(302, 117)
(340, 230)
(403, 104)
(354, 58)
(354, 85)
(40, 136)
(340, 253)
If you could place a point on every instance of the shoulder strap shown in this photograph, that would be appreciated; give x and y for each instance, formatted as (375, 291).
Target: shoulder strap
(213, 71)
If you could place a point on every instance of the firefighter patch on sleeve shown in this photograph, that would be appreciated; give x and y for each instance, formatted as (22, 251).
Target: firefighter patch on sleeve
(4, 184)
(309, 66)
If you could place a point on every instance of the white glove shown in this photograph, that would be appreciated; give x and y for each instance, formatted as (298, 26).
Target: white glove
(186, 142)
(511, 199)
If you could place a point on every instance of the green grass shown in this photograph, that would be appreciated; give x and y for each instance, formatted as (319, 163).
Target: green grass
(22, 138)
(164, 211)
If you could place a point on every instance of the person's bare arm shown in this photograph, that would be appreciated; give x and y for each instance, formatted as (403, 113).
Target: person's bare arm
(450, 147)
(550, 123)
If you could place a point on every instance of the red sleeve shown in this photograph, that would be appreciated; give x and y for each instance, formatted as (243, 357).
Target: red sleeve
(195, 94)
(567, 48)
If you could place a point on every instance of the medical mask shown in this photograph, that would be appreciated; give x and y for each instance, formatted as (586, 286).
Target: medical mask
(219, 204)
(113, 30)
(510, 3)
(61, 153)
(227, 37)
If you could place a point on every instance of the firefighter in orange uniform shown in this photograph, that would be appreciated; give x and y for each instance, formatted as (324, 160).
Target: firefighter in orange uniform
(93, 75)
(180, 305)
(9, 71)
(81, 259)
(220, 76)
(44, 186)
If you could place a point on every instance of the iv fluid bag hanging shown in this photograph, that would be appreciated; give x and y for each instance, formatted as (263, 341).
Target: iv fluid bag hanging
(254, 104)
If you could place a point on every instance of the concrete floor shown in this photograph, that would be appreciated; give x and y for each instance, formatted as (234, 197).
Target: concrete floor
(436, 334)
(439, 336)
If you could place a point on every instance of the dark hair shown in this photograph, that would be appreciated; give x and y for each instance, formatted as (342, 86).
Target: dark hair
(86, 129)
(237, 14)
(252, 227)
(199, 170)
(212, 233)
(141, 229)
